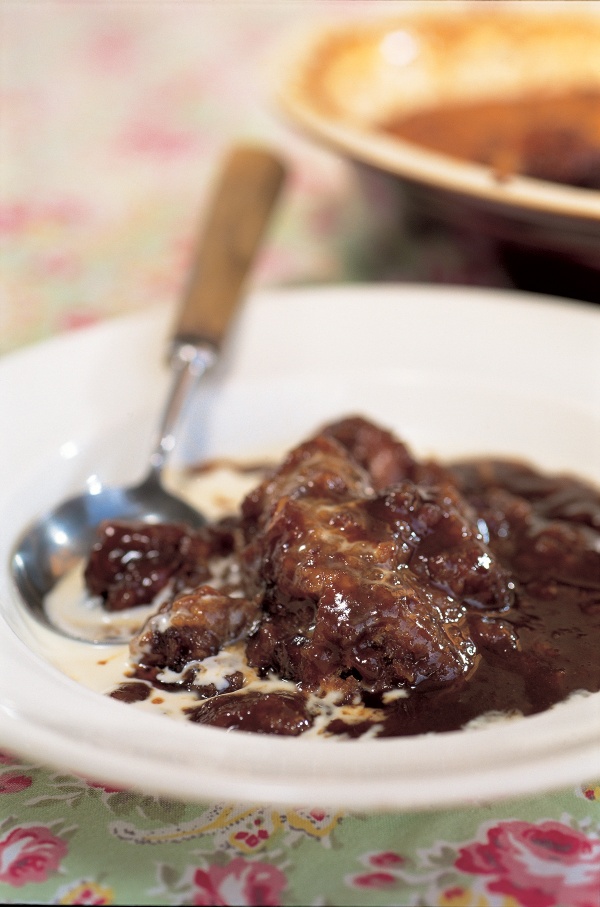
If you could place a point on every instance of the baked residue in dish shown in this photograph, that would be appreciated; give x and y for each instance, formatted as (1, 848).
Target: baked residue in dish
(361, 591)
(547, 136)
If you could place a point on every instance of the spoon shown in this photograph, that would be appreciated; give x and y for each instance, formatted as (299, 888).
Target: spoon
(53, 546)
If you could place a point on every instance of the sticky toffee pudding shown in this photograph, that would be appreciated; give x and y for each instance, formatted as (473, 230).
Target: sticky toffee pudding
(360, 591)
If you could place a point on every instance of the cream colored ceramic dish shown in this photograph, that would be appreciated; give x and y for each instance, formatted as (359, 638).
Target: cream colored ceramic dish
(453, 371)
(341, 82)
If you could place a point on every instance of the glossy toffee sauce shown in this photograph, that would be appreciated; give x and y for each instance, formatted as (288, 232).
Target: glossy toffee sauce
(551, 137)
(555, 616)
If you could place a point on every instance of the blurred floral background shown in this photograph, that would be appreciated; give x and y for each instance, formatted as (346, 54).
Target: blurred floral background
(114, 115)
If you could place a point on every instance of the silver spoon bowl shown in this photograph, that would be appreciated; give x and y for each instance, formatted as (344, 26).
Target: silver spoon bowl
(59, 540)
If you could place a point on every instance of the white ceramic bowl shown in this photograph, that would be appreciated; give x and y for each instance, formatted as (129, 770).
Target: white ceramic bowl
(453, 371)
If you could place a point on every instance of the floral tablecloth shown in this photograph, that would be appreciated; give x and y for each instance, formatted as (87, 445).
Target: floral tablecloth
(64, 840)
(114, 115)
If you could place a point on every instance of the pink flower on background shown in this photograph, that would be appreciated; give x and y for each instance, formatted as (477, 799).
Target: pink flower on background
(374, 880)
(111, 50)
(319, 815)
(252, 839)
(592, 792)
(539, 865)
(12, 784)
(30, 854)
(85, 893)
(157, 140)
(18, 216)
(241, 882)
(72, 320)
(383, 866)
(386, 858)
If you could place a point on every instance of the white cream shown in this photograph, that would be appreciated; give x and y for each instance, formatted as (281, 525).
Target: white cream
(71, 609)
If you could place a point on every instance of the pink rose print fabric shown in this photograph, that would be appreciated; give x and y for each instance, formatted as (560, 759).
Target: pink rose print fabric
(14, 783)
(381, 870)
(241, 882)
(539, 865)
(30, 855)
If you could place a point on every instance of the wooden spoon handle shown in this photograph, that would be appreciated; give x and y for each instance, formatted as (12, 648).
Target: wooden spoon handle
(244, 196)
